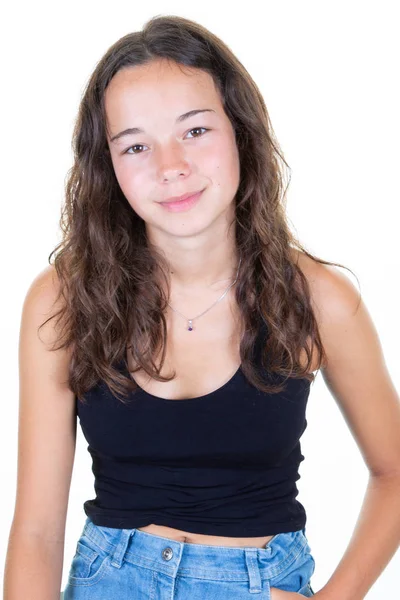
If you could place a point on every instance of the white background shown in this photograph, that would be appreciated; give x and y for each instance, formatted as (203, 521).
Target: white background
(329, 75)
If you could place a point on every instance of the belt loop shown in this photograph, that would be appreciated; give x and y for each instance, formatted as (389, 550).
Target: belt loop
(120, 550)
(253, 570)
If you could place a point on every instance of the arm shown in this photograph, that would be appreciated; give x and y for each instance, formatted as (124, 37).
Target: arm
(356, 375)
(46, 448)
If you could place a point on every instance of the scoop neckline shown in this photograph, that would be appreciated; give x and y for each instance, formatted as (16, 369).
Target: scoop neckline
(184, 400)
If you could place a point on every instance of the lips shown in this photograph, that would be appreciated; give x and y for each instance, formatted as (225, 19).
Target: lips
(179, 198)
(182, 205)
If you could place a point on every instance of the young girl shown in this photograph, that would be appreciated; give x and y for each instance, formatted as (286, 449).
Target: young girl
(185, 327)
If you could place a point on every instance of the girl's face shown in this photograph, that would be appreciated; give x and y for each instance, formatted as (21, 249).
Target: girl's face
(159, 151)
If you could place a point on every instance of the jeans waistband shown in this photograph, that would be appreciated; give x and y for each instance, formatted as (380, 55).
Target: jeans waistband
(222, 563)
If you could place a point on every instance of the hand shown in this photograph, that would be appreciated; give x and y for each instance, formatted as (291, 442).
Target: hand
(277, 594)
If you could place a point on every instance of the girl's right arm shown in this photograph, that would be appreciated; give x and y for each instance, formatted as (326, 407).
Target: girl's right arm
(46, 450)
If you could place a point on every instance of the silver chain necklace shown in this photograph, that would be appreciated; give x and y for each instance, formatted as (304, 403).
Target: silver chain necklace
(190, 321)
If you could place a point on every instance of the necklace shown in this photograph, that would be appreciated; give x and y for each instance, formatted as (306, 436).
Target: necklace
(190, 321)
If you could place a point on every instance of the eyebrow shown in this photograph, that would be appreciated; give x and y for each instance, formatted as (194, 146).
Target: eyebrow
(134, 130)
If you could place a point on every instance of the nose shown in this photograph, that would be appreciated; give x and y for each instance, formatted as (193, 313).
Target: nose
(172, 162)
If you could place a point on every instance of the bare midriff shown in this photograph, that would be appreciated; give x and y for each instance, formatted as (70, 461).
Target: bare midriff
(209, 540)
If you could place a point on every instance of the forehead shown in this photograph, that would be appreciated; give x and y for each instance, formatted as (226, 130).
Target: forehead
(159, 83)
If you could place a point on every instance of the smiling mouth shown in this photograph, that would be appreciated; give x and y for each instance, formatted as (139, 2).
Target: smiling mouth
(180, 205)
(180, 198)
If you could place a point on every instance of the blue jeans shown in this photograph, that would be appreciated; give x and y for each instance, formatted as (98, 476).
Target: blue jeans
(119, 564)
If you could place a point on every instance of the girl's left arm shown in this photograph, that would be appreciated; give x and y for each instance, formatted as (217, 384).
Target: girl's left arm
(357, 377)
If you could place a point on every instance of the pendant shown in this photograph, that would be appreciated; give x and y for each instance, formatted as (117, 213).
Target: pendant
(190, 326)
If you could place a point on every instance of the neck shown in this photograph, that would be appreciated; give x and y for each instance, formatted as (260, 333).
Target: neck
(196, 276)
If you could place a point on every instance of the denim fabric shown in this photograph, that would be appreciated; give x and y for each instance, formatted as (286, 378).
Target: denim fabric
(120, 564)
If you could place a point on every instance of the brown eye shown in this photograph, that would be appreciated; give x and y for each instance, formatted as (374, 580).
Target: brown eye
(198, 129)
(135, 146)
(142, 146)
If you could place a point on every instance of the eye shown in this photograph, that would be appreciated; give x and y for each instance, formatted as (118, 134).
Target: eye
(197, 129)
(135, 146)
(142, 145)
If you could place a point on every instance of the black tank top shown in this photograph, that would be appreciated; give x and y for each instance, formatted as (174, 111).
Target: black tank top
(223, 464)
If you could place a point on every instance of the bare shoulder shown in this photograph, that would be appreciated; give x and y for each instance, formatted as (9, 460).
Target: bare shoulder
(355, 370)
(43, 289)
(332, 291)
(47, 420)
(334, 297)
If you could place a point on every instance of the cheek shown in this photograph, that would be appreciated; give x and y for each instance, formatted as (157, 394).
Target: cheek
(219, 157)
(130, 181)
(133, 186)
(223, 168)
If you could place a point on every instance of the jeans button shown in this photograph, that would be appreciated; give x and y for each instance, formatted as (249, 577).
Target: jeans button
(167, 553)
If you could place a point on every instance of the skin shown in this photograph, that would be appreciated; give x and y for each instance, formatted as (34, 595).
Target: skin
(175, 160)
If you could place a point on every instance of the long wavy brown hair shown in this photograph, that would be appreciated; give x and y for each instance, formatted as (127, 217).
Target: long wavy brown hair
(110, 276)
